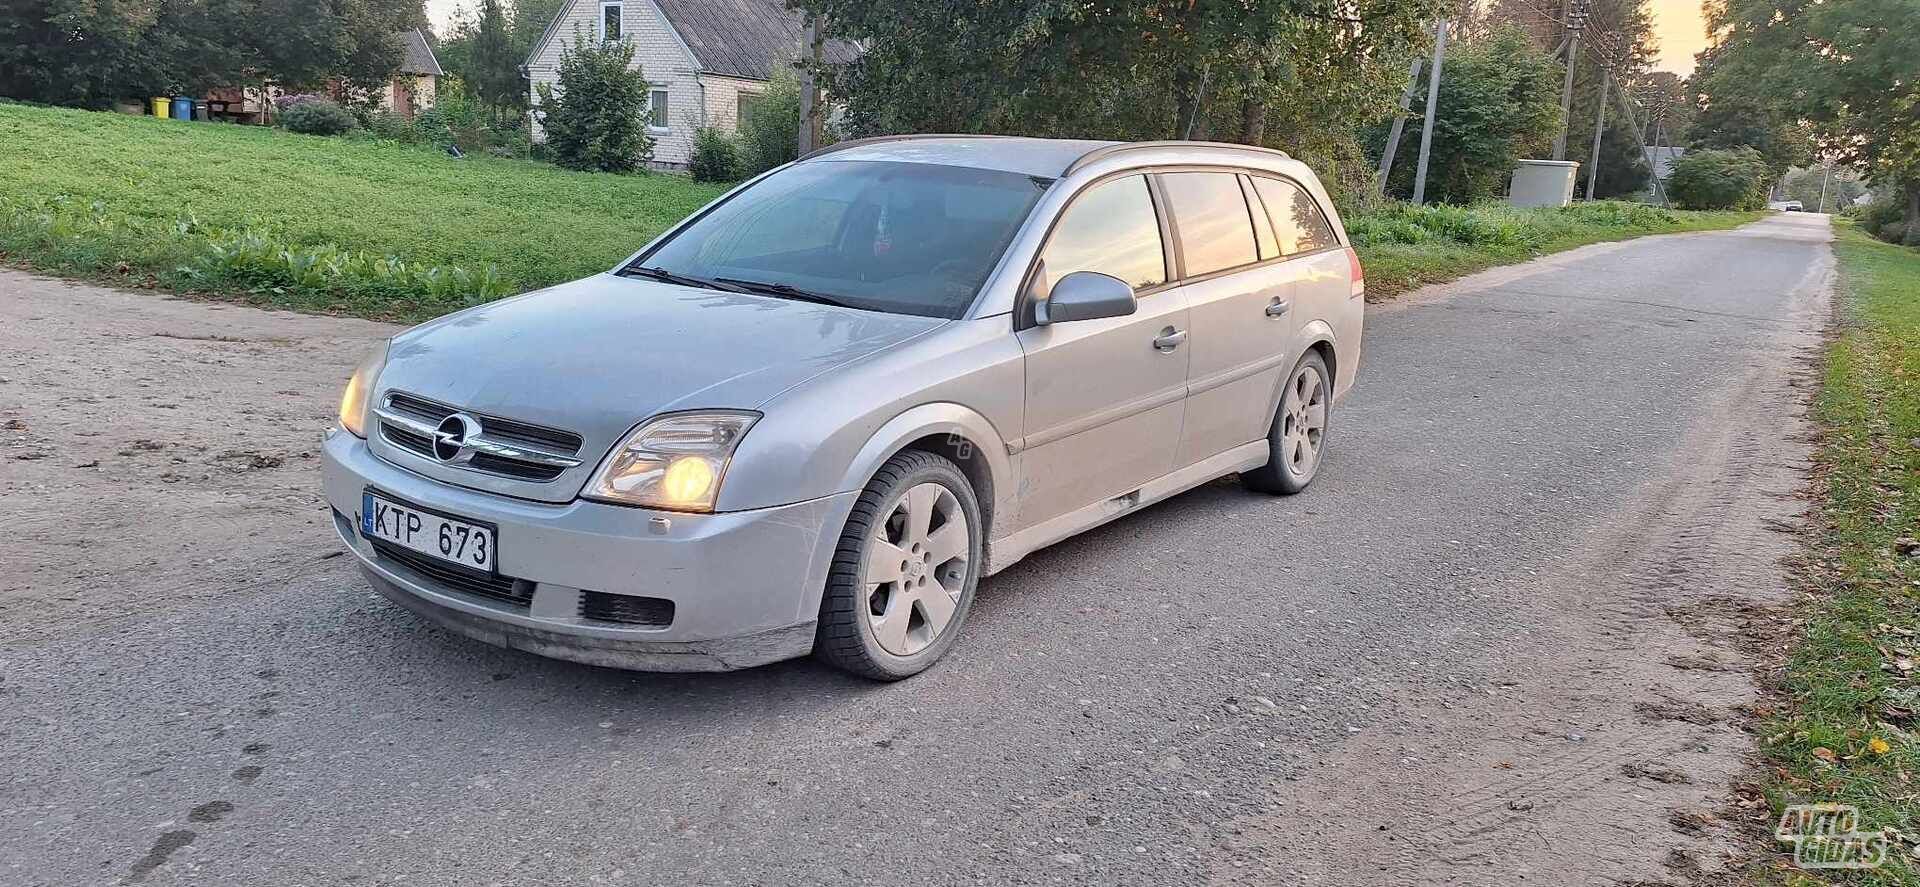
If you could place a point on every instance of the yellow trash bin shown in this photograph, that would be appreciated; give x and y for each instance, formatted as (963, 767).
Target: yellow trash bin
(160, 105)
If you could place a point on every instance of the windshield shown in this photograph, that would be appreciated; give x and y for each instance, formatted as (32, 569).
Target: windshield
(910, 238)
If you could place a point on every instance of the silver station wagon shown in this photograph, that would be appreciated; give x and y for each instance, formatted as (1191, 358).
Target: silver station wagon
(810, 417)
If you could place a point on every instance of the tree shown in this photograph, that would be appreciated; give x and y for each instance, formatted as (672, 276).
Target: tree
(1851, 71)
(770, 130)
(594, 112)
(1499, 102)
(1130, 69)
(494, 74)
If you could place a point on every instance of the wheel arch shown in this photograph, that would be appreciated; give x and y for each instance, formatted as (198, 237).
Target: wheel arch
(953, 431)
(1319, 337)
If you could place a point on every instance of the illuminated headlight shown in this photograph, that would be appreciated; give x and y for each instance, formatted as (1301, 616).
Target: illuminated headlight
(353, 401)
(674, 462)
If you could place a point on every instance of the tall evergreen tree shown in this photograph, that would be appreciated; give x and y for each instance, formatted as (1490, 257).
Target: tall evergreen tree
(495, 68)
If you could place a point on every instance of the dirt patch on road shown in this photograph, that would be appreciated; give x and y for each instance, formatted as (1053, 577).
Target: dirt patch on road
(155, 451)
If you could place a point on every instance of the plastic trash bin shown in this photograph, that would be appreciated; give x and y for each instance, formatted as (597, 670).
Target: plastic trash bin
(200, 109)
(160, 104)
(182, 108)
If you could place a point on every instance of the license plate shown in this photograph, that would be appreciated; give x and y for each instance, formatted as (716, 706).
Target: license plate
(435, 535)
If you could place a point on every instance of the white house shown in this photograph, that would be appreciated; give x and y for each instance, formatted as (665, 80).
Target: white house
(706, 59)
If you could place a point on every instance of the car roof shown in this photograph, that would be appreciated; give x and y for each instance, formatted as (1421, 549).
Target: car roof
(1051, 158)
(1027, 156)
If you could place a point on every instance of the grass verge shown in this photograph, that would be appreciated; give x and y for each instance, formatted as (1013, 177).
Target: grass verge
(1842, 731)
(389, 231)
(1406, 247)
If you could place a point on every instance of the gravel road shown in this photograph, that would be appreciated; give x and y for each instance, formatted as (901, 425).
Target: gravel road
(1499, 641)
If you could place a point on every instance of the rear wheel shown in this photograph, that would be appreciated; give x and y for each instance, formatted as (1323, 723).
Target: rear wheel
(904, 573)
(1297, 439)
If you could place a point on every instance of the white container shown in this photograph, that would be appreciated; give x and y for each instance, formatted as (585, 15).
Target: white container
(1543, 183)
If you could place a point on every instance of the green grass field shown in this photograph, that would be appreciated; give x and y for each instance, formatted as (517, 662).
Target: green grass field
(535, 224)
(1844, 731)
(382, 230)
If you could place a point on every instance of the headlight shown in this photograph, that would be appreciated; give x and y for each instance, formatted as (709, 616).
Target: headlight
(673, 462)
(353, 401)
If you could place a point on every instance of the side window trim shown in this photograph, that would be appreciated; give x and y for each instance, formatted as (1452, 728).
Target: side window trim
(1262, 220)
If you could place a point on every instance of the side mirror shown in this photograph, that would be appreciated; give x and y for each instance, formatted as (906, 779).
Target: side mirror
(1085, 295)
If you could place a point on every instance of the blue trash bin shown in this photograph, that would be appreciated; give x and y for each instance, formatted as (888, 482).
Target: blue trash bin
(182, 107)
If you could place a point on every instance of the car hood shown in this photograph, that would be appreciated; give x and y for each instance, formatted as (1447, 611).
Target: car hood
(598, 355)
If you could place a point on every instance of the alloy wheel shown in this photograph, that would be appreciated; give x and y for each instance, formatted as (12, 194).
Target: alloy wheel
(1304, 422)
(916, 569)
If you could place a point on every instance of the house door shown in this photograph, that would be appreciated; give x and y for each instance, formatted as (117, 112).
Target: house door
(403, 97)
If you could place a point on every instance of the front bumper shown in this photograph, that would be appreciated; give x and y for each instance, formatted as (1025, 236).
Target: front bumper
(743, 587)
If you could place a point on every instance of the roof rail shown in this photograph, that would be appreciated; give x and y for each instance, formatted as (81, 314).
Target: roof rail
(1110, 150)
(875, 140)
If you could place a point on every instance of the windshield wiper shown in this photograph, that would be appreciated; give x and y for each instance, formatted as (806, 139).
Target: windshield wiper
(665, 276)
(786, 291)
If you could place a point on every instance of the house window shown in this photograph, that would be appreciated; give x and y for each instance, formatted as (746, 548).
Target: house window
(610, 21)
(743, 105)
(657, 108)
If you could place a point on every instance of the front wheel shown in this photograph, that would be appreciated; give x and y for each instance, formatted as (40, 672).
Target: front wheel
(1298, 437)
(904, 573)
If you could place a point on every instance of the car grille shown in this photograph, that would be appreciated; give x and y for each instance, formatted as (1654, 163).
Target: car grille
(626, 609)
(494, 587)
(506, 431)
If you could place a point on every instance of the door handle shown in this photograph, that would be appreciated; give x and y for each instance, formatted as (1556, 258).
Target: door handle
(1278, 307)
(1169, 339)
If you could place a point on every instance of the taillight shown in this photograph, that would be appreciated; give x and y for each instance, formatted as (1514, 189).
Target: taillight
(1358, 274)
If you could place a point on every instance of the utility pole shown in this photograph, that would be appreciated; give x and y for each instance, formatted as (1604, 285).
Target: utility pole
(1399, 123)
(1599, 124)
(809, 92)
(1633, 126)
(1433, 99)
(1823, 185)
(1576, 19)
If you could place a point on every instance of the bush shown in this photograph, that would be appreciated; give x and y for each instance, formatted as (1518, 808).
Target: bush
(1735, 178)
(594, 113)
(318, 117)
(715, 157)
(1881, 217)
(770, 132)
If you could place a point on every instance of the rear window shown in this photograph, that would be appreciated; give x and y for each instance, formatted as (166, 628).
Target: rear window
(1210, 214)
(910, 238)
(1297, 221)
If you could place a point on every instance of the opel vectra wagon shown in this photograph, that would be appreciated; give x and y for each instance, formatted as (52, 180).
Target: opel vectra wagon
(810, 417)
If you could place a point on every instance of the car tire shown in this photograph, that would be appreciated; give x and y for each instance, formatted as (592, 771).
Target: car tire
(1297, 437)
(885, 620)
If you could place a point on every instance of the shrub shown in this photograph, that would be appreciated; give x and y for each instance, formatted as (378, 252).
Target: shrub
(593, 113)
(1735, 178)
(317, 118)
(715, 157)
(1881, 216)
(770, 131)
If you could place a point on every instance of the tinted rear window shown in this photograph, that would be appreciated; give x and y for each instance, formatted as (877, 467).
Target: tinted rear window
(1297, 221)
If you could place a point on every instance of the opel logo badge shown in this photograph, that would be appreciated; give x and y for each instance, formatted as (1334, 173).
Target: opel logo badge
(450, 439)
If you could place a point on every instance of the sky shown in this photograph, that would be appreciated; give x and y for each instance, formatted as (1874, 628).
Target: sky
(1677, 24)
(1681, 30)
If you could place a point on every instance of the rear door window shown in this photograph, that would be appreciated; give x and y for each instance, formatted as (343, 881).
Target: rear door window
(1210, 214)
(1297, 221)
(1110, 228)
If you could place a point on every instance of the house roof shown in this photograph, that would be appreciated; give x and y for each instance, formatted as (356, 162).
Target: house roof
(735, 38)
(744, 38)
(417, 57)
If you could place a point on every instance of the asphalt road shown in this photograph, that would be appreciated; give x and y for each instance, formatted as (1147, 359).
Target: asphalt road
(1498, 640)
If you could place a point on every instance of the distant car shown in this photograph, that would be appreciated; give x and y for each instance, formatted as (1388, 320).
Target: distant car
(1791, 206)
(814, 414)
